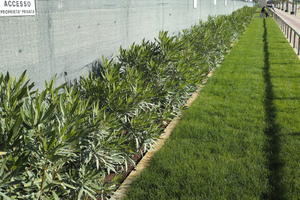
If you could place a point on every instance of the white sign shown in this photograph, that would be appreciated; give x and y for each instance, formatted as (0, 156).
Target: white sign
(17, 7)
(195, 3)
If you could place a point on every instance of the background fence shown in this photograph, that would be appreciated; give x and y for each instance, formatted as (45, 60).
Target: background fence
(291, 34)
(66, 35)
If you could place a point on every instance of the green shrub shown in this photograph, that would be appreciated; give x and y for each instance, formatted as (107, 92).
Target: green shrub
(61, 142)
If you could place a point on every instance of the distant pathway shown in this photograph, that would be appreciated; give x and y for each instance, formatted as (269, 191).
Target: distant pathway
(292, 20)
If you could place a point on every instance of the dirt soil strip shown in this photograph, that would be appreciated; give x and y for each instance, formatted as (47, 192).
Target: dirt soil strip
(121, 192)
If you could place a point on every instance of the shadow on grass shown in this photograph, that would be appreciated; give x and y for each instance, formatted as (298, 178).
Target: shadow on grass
(272, 129)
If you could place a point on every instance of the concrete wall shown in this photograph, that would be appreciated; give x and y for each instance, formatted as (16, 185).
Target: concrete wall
(67, 35)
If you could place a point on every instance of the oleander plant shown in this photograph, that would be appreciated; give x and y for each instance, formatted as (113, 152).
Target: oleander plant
(61, 142)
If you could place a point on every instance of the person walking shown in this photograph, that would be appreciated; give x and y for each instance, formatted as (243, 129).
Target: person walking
(264, 12)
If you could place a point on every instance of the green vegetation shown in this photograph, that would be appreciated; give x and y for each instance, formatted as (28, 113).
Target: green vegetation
(241, 138)
(284, 73)
(217, 150)
(62, 142)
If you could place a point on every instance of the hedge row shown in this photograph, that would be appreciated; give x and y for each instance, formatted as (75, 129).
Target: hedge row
(61, 142)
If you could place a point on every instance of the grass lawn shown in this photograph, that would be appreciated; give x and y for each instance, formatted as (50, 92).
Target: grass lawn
(284, 73)
(240, 140)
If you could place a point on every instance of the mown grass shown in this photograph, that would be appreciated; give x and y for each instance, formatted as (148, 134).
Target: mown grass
(284, 72)
(217, 151)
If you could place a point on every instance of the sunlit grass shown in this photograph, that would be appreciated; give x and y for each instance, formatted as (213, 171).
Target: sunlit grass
(285, 76)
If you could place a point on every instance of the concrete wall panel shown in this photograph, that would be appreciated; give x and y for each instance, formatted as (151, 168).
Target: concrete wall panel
(66, 35)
